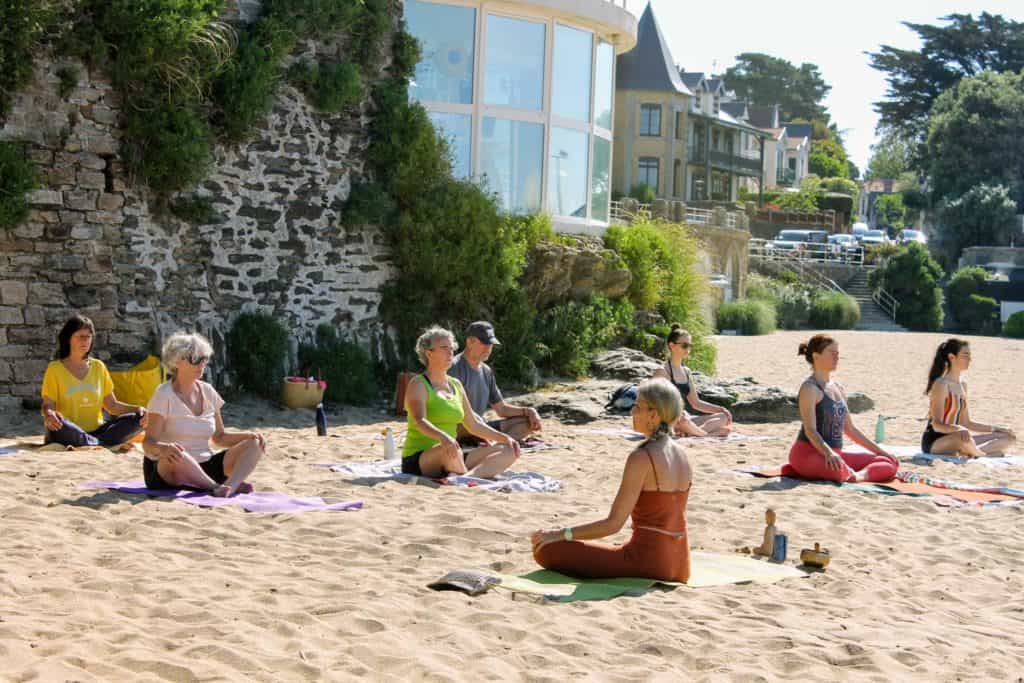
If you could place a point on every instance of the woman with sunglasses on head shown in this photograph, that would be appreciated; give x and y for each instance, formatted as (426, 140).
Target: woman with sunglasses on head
(77, 388)
(949, 421)
(713, 420)
(184, 418)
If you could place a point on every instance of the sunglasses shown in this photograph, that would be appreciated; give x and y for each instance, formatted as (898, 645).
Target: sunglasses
(198, 360)
(685, 345)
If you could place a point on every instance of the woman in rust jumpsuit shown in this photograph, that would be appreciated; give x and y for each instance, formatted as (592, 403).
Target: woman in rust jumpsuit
(654, 490)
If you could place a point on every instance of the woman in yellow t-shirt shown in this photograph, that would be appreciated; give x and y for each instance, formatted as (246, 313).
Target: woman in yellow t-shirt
(77, 389)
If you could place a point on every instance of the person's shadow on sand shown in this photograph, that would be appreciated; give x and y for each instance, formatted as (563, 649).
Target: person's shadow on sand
(99, 499)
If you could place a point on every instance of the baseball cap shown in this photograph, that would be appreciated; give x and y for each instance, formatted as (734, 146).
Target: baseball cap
(484, 331)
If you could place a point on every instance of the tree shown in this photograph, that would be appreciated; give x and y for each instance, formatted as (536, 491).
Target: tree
(912, 277)
(762, 79)
(890, 157)
(822, 164)
(974, 136)
(983, 216)
(890, 211)
(965, 47)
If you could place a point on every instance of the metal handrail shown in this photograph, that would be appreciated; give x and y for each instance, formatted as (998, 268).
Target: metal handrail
(886, 301)
(693, 215)
(814, 252)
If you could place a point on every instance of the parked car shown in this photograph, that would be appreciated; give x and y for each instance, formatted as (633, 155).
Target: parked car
(800, 240)
(908, 236)
(872, 237)
(844, 246)
(858, 230)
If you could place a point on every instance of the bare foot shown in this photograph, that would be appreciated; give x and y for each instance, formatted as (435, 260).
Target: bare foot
(221, 491)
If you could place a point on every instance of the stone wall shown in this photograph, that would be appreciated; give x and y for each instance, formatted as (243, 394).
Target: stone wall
(93, 243)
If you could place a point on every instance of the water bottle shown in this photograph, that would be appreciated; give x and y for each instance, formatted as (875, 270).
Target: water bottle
(779, 551)
(389, 445)
(880, 429)
(321, 420)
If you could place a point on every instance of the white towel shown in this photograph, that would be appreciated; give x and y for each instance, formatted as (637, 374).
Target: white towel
(507, 482)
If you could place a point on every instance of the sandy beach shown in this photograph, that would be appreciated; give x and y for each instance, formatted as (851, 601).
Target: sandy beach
(104, 586)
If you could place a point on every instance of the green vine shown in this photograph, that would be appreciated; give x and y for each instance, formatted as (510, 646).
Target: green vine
(17, 177)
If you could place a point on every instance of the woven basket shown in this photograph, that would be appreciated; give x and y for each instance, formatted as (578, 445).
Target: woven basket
(302, 394)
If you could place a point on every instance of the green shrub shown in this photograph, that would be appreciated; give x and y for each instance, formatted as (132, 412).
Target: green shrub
(194, 210)
(790, 298)
(330, 88)
(243, 93)
(68, 76)
(257, 346)
(981, 315)
(643, 193)
(1014, 325)
(834, 311)
(912, 277)
(962, 284)
(803, 201)
(347, 368)
(17, 177)
(749, 317)
(22, 25)
(571, 332)
(170, 147)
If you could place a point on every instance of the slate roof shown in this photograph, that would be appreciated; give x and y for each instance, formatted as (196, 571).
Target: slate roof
(798, 130)
(737, 110)
(761, 116)
(649, 65)
(692, 79)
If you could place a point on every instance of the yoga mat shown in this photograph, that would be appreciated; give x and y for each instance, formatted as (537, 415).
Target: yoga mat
(913, 484)
(706, 569)
(380, 471)
(260, 501)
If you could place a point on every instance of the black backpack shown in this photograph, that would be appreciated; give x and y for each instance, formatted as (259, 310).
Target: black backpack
(622, 399)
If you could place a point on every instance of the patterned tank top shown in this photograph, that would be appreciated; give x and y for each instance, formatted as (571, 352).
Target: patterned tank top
(829, 416)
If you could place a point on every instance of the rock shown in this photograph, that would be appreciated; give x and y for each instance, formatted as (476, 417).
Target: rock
(556, 272)
(575, 403)
(859, 403)
(627, 365)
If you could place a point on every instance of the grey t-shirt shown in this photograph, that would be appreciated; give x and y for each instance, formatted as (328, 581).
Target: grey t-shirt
(481, 389)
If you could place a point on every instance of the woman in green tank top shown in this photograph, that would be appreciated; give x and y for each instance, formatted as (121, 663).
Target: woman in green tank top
(437, 405)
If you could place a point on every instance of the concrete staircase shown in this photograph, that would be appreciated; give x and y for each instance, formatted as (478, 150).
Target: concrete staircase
(871, 316)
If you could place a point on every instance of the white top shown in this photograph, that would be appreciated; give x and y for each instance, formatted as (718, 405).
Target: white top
(192, 431)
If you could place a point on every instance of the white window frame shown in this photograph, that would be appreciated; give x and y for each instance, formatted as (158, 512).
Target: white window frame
(478, 110)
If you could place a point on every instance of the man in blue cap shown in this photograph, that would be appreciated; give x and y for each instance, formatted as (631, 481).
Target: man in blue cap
(477, 378)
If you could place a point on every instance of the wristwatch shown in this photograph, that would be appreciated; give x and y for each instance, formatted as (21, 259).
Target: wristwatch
(567, 533)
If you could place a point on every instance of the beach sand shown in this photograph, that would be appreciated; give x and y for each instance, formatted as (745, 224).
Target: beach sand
(100, 586)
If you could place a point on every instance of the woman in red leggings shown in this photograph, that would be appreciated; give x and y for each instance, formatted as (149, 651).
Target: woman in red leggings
(654, 490)
(818, 451)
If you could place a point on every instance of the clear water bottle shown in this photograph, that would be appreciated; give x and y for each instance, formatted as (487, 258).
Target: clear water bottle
(321, 420)
(880, 429)
(389, 445)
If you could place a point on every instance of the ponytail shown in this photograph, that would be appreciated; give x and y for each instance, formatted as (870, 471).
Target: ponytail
(940, 363)
(815, 344)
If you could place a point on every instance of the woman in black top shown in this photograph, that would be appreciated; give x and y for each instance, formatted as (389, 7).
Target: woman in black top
(712, 420)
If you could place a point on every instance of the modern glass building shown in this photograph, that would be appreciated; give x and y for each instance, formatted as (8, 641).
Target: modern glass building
(524, 92)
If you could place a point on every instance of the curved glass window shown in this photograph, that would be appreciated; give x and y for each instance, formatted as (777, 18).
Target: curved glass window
(567, 173)
(603, 85)
(570, 73)
(514, 63)
(511, 160)
(457, 129)
(601, 180)
(447, 35)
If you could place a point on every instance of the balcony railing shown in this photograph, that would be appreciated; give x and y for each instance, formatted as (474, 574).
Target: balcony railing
(627, 210)
(731, 161)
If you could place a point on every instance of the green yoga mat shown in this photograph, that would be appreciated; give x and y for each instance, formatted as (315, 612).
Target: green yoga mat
(707, 569)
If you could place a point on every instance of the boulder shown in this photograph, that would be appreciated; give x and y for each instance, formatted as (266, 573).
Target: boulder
(556, 272)
(576, 403)
(628, 365)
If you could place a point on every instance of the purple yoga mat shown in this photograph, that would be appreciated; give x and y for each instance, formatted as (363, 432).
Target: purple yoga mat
(260, 501)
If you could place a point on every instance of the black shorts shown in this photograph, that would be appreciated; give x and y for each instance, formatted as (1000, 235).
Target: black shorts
(411, 464)
(929, 438)
(214, 468)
